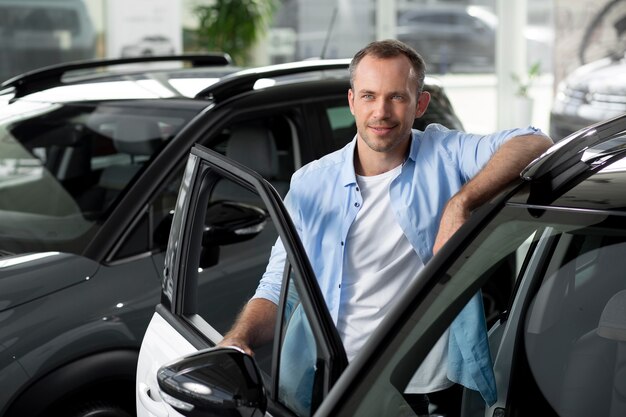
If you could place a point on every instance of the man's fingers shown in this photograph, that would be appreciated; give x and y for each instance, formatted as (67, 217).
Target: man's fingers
(237, 344)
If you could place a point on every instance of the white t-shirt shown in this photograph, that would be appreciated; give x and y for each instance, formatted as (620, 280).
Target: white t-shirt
(378, 265)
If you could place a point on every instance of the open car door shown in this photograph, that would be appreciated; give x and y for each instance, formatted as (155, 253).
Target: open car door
(225, 210)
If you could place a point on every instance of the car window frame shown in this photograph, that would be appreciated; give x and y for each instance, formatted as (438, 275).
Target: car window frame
(176, 291)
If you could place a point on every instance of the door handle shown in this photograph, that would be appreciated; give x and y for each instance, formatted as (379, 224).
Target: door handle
(156, 408)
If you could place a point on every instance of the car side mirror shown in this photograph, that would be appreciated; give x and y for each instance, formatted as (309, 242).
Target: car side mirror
(226, 222)
(229, 222)
(220, 381)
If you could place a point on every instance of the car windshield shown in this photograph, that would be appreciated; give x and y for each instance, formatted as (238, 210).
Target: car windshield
(63, 167)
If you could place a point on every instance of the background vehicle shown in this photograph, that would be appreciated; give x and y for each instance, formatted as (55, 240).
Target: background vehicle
(592, 93)
(91, 160)
(36, 33)
(148, 46)
(461, 38)
(559, 231)
(595, 91)
(450, 36)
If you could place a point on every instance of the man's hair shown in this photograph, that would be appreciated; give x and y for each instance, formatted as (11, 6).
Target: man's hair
(391, 48)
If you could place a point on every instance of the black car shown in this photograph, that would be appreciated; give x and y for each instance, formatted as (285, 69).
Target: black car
(559, 350)
(91, 160)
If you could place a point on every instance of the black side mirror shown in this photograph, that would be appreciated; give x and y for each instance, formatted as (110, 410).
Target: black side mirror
(226, 222)
(214, 382)
(230, 222)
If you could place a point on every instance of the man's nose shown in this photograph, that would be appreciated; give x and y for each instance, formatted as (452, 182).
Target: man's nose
(381, 109)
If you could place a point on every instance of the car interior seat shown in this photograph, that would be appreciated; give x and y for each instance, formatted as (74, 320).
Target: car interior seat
(595, 378)
(135, 140)
(254, 146)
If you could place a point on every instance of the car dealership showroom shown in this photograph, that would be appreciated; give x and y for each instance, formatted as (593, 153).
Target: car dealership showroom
(235, 208)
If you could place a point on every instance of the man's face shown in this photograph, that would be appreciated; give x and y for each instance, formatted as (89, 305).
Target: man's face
(384, 102)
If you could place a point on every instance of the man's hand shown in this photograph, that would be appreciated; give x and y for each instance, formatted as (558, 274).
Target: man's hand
(236, 342)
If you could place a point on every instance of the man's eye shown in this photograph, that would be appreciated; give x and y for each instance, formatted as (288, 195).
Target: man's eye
(398, 98)
(368, 97)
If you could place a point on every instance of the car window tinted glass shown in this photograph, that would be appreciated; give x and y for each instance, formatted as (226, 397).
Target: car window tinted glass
(62, 168)
(298, 356)
(575, 328)
(235, 237)
(342, 124)
(498, 252)
(268, 145)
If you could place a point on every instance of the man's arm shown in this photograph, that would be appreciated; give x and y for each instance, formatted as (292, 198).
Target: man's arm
(254, 326)
(503, 167)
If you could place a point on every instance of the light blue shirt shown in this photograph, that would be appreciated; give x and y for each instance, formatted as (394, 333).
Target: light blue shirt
(323, 201)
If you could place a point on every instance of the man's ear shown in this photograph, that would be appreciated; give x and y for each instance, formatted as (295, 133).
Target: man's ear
(351, 100)
(422, 103)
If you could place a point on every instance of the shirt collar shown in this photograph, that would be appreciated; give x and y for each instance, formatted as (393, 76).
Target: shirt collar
(347, 174)
(415, 144)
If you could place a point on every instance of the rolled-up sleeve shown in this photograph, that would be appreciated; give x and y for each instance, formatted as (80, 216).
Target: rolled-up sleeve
(270, 285)
(470, 152)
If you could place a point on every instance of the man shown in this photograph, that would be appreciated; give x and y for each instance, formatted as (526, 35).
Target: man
(373, 213)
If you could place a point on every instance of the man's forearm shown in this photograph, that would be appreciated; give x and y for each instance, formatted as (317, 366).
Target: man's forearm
(503, 167)
(254, 326)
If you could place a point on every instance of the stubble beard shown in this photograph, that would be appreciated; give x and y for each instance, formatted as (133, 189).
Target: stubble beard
(384, 144)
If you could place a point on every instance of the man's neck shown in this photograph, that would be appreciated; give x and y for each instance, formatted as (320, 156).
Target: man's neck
(368, 162)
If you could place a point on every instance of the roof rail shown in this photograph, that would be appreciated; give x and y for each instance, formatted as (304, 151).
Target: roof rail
(576, 157)
(242, 81)
(52, 75)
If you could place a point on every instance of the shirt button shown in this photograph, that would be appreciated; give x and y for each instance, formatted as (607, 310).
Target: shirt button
(342, 243)
(356, 204)
(357, 188)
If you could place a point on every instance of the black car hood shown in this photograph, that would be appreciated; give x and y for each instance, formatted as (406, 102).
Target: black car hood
(30, 276)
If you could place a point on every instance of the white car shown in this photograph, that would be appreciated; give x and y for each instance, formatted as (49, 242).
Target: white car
(150, 46)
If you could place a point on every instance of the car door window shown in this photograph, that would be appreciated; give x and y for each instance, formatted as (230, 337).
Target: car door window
(567, 358)
(233, 238)
(220, 214)
(298, 355)
(342, 124)
(501, 250)
(268, 145)
(62, 168)
(229, 270)
(575, 327)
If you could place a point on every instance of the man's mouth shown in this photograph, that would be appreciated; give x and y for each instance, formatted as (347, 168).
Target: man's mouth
(381, 129)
